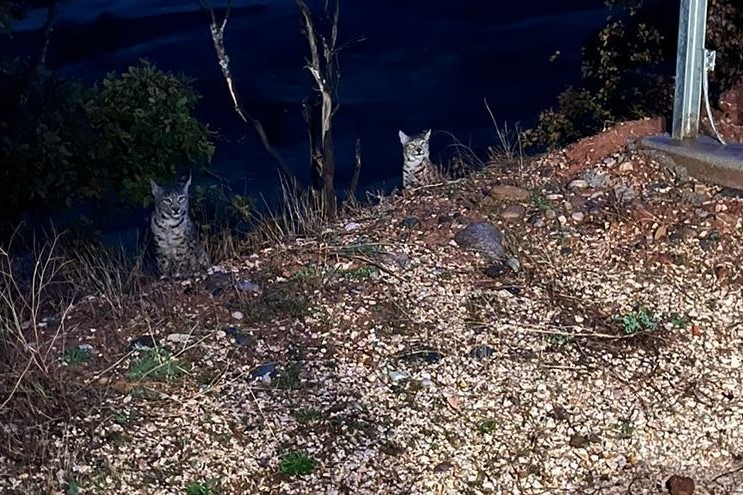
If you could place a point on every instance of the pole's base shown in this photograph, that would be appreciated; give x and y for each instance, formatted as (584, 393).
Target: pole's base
(703, 158)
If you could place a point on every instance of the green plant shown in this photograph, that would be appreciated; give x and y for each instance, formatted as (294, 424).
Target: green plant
(559, 340)
(122, 417)
(289, 378)
(73, 487)
(297, 464)
(145, 129)
(157, 364)
(202, 488)
(363, 272)
(307, 415)
(639, 319)
(680, 321)
(487, 426)
(540, 201)
(626, 428)
(76, 355)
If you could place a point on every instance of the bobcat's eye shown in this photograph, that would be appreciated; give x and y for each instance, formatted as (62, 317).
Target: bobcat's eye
(167, 200)
(181, 199)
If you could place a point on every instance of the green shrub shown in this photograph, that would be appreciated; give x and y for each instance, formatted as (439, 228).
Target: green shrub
(62, 142)
(628, 68)
(145, 128)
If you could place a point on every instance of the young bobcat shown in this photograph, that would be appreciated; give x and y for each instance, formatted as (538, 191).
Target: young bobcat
(417, 169)
(176, 242)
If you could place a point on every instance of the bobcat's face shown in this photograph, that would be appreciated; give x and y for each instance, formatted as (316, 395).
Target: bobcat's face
(171, 202)
(415, 148)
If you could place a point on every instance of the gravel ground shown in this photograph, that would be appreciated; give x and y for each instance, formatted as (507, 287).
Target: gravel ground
(610, 361)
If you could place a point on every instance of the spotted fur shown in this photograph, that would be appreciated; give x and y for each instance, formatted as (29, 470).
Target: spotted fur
(176, 242)
(417, 169)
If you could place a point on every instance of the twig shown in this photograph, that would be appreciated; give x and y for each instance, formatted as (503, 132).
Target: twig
(217, 31)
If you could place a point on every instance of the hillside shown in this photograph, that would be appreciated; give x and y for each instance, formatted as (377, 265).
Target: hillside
(600, 353)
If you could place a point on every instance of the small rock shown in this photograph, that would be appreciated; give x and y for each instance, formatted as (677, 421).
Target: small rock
(513, 212)
(509, 193)
(550, 214)
(624, 193)
(143, 343)
(240, 338)
(178, 338)
(483, 237)
(562, 219)
(351, 226)
(661, 233)
(595, 178)
(237, 315)
(495, 270)
(397, 376)
(248, 286)
(578, 184)
(264, 372)
(218, 282)
(680, 485)
(577, 216)
(610, 161)
(482, 351)
(513, 264)
(442, 467)
(626, 167)
(578, 441)
(86, 348)
(410, 222)
(426, 356)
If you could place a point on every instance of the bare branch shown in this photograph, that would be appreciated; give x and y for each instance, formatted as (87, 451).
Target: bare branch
(217, 32)
(356, 170)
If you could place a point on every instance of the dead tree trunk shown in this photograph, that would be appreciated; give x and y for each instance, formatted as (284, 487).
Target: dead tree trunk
(319, 111)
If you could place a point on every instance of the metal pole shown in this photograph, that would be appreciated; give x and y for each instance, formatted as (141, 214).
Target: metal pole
(687, 98)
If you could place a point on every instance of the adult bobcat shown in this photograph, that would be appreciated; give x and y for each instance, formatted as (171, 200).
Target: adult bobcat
(417, 169)
(176, 242)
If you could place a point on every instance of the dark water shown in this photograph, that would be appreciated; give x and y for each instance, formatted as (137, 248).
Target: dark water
(422, 63)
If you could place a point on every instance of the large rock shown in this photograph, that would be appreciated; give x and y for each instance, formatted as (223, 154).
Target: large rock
(482, 237)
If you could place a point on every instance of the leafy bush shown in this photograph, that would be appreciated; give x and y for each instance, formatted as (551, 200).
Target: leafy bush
(145, 128)
(62, 142)
(628, 69)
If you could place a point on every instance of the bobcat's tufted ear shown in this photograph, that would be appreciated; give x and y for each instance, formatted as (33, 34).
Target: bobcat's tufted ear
(188, 183)
(404, 138)
(428, 134)
(156, 190)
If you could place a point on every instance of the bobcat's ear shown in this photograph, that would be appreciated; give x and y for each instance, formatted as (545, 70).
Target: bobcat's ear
(428, 134)
(404, 138)
(188, 183)
(156, 190)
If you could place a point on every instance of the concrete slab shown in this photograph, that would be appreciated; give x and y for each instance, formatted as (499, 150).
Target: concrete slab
(703, 158)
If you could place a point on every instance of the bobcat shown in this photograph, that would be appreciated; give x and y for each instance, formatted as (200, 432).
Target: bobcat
(176, 243)
(417, 169)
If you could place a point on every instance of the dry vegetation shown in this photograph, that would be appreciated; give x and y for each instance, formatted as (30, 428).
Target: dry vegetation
(374, 355)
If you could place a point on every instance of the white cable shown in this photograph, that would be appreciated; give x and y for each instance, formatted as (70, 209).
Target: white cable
(709, 65)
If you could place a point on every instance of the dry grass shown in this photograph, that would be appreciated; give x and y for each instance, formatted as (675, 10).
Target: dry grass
(34, 398)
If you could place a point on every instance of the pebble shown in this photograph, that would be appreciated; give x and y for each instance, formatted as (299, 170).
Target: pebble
(237, 315)
(626, 167)
(178, 338)
(577, 216)
(578, 184)
(506, 193)
(351, 226)
(513, 212)
(562, 219)
(397, 376)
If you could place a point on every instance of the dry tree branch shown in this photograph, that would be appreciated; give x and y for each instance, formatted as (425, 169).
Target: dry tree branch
(356, 170)
(217, 30)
